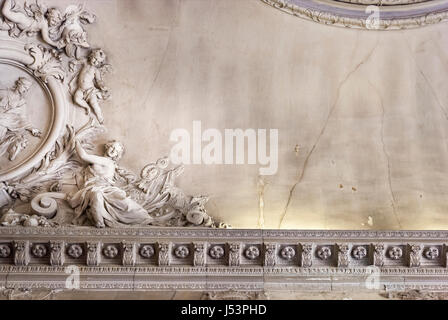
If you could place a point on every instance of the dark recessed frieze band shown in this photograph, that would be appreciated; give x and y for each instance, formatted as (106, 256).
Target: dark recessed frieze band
(388, 15)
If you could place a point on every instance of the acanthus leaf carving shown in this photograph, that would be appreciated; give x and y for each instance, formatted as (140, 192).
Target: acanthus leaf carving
(234, 254)
(47, 63)
(57, 253)
(378, 254)
(164, 253)
(21, 252)
(129, 253)
(343, 255)
(93, 254)
(199, 254)
(306, 260)
(270, 251)
(415, 253)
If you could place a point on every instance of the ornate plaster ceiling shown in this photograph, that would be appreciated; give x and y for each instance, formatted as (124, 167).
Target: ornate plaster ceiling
(388, 14)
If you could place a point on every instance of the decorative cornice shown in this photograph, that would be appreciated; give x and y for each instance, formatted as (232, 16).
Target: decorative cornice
(181, 258)
(391, 14)
(205, 233)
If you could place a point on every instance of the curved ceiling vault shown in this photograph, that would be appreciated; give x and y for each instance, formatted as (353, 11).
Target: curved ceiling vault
(386, 15)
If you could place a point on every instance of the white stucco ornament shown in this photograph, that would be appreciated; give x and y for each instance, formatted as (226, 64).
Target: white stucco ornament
(386, 14)
(50, 114)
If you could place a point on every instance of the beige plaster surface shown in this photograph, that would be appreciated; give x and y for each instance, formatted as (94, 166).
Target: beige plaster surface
(368, 110)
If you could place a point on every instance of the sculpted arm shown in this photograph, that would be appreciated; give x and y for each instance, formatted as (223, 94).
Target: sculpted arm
(92, 159)
(46, 35)
(4, 26)
(99, 80)
(17, 17)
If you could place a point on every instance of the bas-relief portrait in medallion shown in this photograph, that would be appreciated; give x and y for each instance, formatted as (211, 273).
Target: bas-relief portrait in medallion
(25, 116)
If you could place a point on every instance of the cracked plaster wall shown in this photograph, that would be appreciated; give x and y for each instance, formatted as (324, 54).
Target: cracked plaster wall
(362, 115)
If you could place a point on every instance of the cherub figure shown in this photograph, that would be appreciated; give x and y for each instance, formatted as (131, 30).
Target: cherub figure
(36, 18)
(60, 30)
(88, 85)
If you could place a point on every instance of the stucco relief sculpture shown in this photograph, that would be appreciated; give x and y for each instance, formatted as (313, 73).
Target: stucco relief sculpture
(353, 14)
(68, 185)
(57, 29)
(15, 128)
(99, 198)
(34, 18)
(88, 86)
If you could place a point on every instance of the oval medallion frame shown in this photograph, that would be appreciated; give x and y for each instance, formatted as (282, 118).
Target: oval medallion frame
(367, 14)
(13, 53)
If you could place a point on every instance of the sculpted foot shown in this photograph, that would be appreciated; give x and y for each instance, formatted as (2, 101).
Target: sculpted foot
(100, 225)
